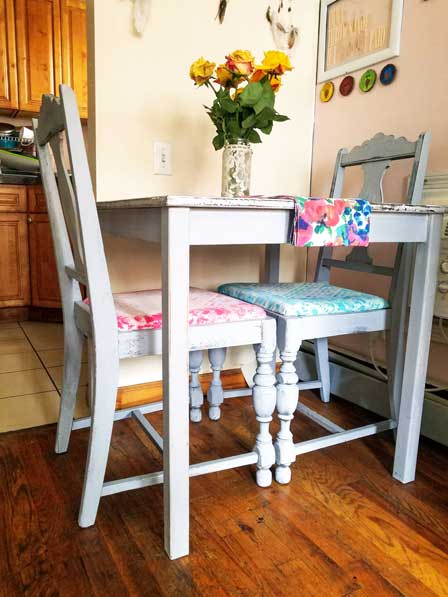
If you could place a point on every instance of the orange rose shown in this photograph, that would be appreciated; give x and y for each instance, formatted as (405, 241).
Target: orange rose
(257, 75)
(275, 83)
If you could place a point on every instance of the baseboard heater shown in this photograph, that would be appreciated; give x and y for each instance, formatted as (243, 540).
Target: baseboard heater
(358, 382)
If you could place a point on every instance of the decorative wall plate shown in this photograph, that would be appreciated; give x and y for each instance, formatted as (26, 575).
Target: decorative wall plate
(326, 91)
(368, 80)
(346, 86)
(388, 74)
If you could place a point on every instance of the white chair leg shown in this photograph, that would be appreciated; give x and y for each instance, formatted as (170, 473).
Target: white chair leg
(196, 395)
(73, 343)
(215, 394)
(287, 400)
(103, 387)
(264, 399)
(323, 367)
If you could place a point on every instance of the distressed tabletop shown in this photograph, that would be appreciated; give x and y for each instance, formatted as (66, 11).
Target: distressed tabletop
(248, 203)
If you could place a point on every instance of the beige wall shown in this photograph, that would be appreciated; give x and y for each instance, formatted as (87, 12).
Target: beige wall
(142, 93)
(415, 102)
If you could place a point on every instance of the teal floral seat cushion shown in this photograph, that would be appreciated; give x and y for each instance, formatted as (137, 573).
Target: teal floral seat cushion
(304, 299)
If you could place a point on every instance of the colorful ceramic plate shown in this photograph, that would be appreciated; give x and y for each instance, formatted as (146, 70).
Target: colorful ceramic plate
(388, 74)
(326, 91)
(368, 80)
(346, 86)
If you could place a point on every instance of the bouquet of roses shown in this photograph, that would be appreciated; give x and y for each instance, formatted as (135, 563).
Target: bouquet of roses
(244, 92)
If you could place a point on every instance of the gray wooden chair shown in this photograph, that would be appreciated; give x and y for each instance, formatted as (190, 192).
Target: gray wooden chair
(359, 312)
(374, 156)
(81, 260)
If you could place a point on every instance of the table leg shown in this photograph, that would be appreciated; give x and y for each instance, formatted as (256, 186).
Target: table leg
(175, 292)
(272, 264)
(417, 352)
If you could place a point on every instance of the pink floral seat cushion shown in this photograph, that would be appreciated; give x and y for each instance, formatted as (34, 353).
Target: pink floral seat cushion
(143, 310)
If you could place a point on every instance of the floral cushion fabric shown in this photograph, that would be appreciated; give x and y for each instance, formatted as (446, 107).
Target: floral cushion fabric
(304, 299)
(320, 222)
(143, 310)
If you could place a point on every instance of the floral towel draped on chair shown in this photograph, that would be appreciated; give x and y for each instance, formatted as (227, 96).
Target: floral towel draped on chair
(327, 222)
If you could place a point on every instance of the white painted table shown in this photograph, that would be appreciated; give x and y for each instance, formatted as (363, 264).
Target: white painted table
(179, 222)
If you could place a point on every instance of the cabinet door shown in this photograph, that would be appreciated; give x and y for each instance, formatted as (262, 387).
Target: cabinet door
(36, 199)
(8, 66)
(74, 50)
(38, 38)
(14, 266)
(44, 279)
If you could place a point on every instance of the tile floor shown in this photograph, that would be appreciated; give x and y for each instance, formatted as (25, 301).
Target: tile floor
(31, 360)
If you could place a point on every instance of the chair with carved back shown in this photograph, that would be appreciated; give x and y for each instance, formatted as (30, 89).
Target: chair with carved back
(341, 311)
(127, 325)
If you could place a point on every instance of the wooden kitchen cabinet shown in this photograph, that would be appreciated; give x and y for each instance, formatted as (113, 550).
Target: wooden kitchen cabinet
(28, 275)
(14, 260)
(8, 63)
(38, 39)
(74, 50)
(44, 281)
(42, 43)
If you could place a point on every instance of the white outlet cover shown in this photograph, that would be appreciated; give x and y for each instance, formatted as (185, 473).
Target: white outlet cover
(162, 158)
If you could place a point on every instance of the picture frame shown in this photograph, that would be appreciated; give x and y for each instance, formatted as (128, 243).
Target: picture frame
(355, 34)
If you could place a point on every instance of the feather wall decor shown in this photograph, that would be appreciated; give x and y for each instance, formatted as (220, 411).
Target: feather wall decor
(281, 18)
(140, 15)
(222, 7)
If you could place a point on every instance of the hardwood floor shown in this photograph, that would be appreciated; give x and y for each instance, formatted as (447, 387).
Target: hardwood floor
(343, 526)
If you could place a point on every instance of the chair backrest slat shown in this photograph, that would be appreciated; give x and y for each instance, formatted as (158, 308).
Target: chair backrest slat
(375, 156)
(72, 210)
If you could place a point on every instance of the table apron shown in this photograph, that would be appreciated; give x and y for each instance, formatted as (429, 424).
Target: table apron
(250, 226)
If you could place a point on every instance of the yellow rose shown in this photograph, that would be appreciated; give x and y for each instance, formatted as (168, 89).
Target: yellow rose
(201, 70)
(276, 62)
(240, 62)
(223, 76)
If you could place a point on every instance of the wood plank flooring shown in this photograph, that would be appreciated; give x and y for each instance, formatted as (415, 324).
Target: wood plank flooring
(342, 527)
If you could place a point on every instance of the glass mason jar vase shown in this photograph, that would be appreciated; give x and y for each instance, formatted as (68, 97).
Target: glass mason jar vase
(236, 165)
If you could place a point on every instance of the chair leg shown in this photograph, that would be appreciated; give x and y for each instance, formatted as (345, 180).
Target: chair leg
(103, 387)
(73, 343)
(215, 394)
(196, 395)
(323, 367)
(287, 400)
(264, 398)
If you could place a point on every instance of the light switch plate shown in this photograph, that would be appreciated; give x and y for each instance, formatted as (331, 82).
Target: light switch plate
(162, 158)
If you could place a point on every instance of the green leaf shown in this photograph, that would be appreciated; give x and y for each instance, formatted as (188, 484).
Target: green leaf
(233, 128)
(267, 99)
(218, 141)
(266, 114)
(279, 117)
(229, 105)
(266, 129)
(249, 122)
(251, 94)
(254, 137)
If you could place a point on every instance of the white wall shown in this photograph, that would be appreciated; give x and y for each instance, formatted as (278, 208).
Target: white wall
(140, 92)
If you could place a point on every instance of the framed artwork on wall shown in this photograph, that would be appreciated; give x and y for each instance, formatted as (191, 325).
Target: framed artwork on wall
(355, 34)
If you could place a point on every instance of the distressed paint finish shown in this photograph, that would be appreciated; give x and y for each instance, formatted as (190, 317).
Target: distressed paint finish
(81, 260)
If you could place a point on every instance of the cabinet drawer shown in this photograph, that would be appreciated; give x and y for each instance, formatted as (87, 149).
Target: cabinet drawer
(12, 198)
(37, 204)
